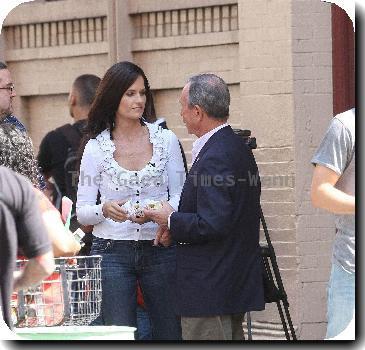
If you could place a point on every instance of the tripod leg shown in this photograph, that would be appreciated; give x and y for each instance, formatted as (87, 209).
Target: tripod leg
(292, 331)
(283, 321)
(249, 330)
(283, 296)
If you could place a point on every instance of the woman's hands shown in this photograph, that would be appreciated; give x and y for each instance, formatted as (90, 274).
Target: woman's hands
(112, 210)
(139, 220)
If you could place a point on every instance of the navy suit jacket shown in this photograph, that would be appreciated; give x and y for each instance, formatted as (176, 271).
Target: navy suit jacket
(219, 266)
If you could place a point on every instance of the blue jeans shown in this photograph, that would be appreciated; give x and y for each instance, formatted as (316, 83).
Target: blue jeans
(341, 300)
(125, 262)
(144, 330)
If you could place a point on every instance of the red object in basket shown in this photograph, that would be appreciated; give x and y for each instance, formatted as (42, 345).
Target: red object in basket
(44, 307)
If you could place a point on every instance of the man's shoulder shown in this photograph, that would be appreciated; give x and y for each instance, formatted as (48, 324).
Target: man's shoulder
(14, 187)
(63, 128)
(227, 142)
(347, 120)
(66, 131)
(54, 139)
(53, 136)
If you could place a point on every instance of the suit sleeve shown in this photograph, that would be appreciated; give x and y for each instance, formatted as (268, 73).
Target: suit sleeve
(215, 184)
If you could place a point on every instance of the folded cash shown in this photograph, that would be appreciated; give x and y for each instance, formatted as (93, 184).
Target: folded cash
(153, 204)
(136, 209)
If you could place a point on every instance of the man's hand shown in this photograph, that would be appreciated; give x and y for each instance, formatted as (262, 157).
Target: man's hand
(159, 216)
(163, 236)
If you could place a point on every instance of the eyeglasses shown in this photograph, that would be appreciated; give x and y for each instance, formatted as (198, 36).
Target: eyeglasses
(10, 88)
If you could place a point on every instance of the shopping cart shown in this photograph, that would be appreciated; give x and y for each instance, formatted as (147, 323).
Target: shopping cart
(70, 296)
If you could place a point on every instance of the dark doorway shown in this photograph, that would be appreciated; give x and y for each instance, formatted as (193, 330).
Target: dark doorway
(343, 60)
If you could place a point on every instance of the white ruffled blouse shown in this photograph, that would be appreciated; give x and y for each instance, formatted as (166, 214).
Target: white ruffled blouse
(161, 179)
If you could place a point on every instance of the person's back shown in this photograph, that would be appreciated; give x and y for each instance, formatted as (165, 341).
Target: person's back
(58, 156)
(20, 226)
(58, 151)
(16, 153)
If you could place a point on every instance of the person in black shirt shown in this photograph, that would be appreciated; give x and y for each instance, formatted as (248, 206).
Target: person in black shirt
(58, 144)
(21, 226)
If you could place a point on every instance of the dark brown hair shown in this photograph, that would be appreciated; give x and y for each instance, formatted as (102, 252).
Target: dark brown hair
(112, 87)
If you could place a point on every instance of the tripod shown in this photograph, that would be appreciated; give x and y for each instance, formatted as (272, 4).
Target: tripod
(273, 285)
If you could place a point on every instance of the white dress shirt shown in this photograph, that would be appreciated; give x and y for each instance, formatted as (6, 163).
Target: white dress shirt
(161, 179)
(202, 140)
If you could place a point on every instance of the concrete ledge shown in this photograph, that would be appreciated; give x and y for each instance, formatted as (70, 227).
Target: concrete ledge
(33, 12)
(194, 40)
(139, 6)
(57, 51)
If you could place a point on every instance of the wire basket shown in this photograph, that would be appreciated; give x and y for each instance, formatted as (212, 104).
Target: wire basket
(70, 296)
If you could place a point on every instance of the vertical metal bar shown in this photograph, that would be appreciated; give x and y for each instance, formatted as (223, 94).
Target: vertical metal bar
(249, 328)
(65, 291)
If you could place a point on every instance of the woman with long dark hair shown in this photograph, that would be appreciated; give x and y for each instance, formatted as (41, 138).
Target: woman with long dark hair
(131, 164)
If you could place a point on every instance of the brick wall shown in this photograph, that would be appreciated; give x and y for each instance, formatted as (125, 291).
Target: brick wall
(267, 109)
(312, 80)
(45, 53)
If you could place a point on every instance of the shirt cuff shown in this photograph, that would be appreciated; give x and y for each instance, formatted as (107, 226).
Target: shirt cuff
(168, 220)
(99, 211)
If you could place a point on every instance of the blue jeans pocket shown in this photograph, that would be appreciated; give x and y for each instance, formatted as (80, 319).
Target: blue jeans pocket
(101, 245)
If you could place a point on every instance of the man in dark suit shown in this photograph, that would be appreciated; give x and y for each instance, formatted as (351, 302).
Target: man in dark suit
(219, 271)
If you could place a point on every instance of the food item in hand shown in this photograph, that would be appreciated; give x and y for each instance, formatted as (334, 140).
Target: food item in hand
(138, 210)
(154, 204)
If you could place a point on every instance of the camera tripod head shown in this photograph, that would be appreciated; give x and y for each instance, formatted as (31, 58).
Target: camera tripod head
(246, 136)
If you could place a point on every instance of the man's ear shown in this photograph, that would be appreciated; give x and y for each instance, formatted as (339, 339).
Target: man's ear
(199, 112)
(72, 99)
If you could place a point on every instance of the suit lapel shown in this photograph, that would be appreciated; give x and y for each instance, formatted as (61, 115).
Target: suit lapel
(224, 131)
(211, 140)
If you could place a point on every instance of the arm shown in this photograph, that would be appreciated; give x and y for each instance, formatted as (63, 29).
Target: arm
(34, 271)
(89, 213)
(19, 195)
(331, 159)
(175, 171)
(324, 194)
(63, 241)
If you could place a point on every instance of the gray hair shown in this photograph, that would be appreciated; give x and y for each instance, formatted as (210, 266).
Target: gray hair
(211, 93)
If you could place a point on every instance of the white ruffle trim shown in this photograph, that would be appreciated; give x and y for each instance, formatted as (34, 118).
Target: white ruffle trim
(132, 179)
